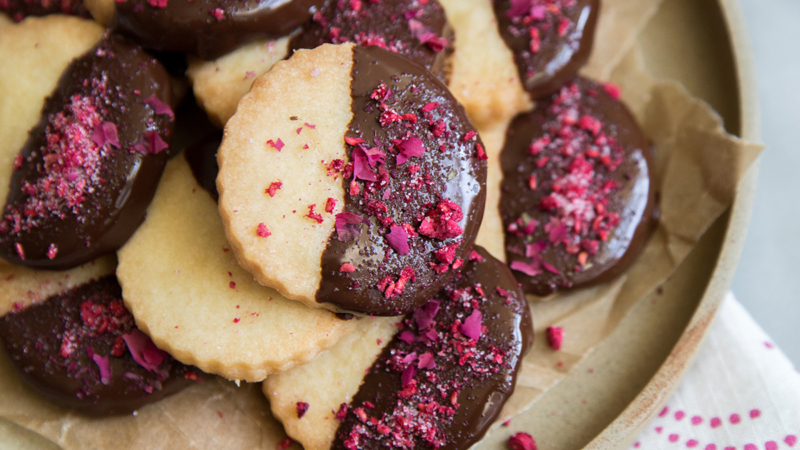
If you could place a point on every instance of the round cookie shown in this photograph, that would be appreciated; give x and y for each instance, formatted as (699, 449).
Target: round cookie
(446, 369)
(81, 350)
(207, 29)
(217, 317)
(577, 197)
(20, 9)
(83, 179)
(381, 181)
(550, 40)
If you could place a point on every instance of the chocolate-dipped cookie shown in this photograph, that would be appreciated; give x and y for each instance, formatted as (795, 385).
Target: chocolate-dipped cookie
(207, 29)
(20, 9)
(81, 350)
(438, 379)
(82, 181)
(551, 39)
(351, 179)
(577, 197)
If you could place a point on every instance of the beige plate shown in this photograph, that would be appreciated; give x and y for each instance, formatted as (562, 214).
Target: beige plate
(609, 398)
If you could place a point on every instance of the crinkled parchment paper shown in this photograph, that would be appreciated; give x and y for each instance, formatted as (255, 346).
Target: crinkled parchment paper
(698, 169)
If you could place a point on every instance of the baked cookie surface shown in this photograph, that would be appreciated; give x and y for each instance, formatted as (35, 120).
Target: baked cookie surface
(436, 379)
(381, 180)
(577, 197)
(216, 317)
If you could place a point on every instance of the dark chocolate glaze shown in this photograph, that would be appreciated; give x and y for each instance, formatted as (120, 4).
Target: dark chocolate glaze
(208, 28)
(385, 24)
(560, 55)
(52, 345)
(482, 383)
(202, 159)
(20, 9)
(448, 170)
(633, 200)
(111, 84)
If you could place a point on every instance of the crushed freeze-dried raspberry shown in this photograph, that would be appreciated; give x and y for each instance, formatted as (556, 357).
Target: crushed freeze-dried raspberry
(555, 337)
(262, 230)
(330, 205)
(273, 188)
(284, 444)
(521, 441)
(302, 408)
(314, 215)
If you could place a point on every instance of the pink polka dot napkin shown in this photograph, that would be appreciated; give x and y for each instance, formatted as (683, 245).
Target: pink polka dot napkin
(741, 394)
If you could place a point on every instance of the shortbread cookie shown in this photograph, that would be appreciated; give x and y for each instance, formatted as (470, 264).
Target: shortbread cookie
(577, 197)
(351, 179)
(81, 349)
(20, 9)
(438, 380)
(207, 29)
(551, 40)
(23, 287)
(82, 181)
(216, 317)
(483, 75)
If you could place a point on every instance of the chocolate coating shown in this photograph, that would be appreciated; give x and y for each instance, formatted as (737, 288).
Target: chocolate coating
(202, 159)
(57, 348)
(449, 406)
(564, 31)
(594, 197)
(20, 9)
(72, 199)
(208, 28)
(449, 170)
(426, 39)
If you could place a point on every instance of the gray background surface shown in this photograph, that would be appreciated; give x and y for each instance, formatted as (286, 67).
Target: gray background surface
(768, 278)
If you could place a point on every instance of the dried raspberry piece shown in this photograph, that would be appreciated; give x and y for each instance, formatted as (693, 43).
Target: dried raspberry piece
(555, 337)
(441, 222)
(302, 408)
(521, 441)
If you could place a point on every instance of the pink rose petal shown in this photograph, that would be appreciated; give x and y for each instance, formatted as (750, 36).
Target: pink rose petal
(410, 147)
(424, 316)
(426, 361)
(348, 226)
(105, 368)
(471, 327)
(158, 106)
(398, 239)
(143, 350)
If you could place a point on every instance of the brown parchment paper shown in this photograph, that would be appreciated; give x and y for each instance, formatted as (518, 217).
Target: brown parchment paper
(698, 165)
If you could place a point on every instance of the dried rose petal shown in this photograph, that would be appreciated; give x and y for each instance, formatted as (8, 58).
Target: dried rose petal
(361, 166)
(348, 226)
(424, 316)
(103, 366)
(408, 375)
(471, 327)
(158, 106)
(426, 361)
(144, 352)
(398, 239)
(274, 187)
(407, 337)
(531, 268)
(521, 441)
(409, 147)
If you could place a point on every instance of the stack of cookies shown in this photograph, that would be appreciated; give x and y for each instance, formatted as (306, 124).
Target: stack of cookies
(350, 201)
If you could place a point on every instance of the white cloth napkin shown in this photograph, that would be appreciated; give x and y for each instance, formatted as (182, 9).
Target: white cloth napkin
(741, 394)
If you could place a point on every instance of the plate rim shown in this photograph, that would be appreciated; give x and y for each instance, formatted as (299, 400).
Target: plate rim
(624, 430)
